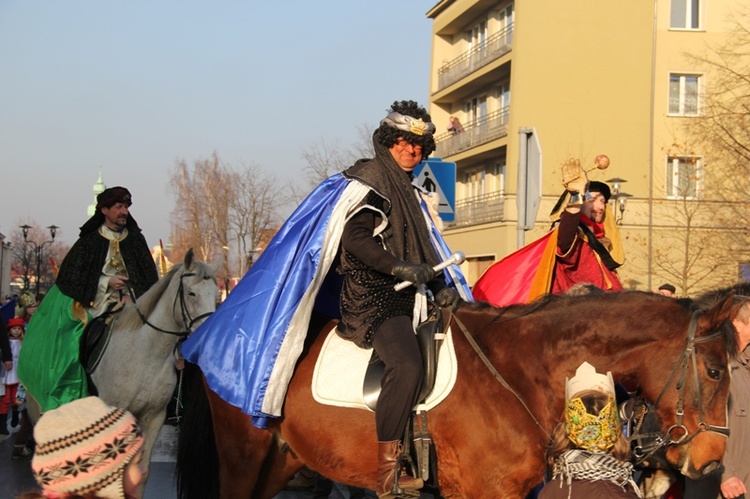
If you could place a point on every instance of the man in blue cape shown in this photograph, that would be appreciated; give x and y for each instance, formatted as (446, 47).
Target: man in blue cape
(371, 225)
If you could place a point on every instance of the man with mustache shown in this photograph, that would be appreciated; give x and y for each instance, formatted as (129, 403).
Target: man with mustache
(110, 256)
(583, 246)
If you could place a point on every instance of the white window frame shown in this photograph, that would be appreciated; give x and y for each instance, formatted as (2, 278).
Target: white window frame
(682, 96)
(475, 182)
(505, 20)
(677, 174)
(692, 10)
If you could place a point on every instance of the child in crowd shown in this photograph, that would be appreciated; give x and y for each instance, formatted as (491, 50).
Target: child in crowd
(87, 450)
(589, 454)
(9, 377)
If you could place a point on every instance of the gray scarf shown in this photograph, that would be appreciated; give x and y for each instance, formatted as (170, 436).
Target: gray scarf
(579, 464)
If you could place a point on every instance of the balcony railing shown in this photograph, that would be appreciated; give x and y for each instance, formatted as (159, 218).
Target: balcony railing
(478, 210)
(490, 127)
(495, 46)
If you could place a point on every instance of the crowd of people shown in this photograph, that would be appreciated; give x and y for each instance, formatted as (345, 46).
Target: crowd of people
(384, 234)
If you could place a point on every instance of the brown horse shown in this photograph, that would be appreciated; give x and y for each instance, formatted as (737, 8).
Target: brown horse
(487, 444)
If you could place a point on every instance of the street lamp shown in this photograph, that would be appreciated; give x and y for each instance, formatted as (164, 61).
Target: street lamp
(619, 197)
(38, 249)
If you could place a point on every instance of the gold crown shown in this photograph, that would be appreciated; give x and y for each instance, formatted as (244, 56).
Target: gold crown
(418, 127)
(591, 432)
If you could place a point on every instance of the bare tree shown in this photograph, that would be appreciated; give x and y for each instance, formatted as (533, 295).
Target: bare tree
(324, 159)
(254, 207)
(201, 217)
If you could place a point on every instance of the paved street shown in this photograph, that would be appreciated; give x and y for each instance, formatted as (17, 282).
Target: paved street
(16, 476)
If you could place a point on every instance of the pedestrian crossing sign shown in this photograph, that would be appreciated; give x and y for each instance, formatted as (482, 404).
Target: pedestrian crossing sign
(435, 175)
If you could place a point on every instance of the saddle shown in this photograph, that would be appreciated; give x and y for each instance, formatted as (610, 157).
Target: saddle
(94, 341)
(430, 335)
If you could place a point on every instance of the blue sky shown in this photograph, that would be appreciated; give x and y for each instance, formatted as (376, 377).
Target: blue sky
(132, 87)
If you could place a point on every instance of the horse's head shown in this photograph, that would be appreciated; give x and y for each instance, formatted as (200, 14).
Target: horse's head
(198, 292)
(692, 404)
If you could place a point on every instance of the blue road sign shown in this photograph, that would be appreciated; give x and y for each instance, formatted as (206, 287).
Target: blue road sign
(439, 176)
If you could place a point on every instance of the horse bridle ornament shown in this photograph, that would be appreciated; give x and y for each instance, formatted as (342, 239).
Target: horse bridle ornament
(187, 320)
(687, 358)
(664, 439)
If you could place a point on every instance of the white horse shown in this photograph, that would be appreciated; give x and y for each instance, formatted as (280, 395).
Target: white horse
(137, 370)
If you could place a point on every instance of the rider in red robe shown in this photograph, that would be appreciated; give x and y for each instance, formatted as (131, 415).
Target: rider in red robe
(583, 247)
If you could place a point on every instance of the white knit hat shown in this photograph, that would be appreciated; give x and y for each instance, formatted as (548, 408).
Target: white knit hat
(83, 447)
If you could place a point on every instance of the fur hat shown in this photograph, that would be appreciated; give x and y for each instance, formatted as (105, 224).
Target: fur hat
(83, 447)
(109, 197)
(16, 322)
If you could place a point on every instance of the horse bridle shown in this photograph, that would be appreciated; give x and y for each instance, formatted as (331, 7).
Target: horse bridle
(661, 440)
(187, 320)
(687, 358)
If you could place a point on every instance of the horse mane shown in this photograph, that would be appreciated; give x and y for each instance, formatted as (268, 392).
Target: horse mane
(710, 298)
(553, 302)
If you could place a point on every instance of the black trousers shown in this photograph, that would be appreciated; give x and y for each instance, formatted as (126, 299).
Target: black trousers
(396, 344)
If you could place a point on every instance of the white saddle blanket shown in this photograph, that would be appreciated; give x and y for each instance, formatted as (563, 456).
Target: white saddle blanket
(340, 373)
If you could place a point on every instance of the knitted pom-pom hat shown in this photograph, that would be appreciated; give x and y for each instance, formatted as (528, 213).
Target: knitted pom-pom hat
(83, 447)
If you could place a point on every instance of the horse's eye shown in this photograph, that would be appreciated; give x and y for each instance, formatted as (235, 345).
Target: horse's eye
(714, 374)
(190, 293)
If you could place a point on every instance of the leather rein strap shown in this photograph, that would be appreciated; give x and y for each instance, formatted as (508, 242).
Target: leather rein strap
(682, 365)
(688, 358)
(494, 372)
(186, 319)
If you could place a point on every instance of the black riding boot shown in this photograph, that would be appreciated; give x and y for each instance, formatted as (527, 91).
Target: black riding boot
(4, 424)
(14, 418)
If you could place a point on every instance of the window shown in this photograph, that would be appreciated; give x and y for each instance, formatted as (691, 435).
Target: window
(476, 110)
(474, 183)
(685, 14)
(683, 94)
(505, 24)
(683, 177)
(477, 36)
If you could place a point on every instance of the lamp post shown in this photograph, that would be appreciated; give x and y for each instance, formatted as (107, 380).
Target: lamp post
(38, 249)
(619, 197)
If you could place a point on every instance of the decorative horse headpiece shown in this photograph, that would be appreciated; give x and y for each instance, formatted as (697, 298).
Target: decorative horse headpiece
(593, 432)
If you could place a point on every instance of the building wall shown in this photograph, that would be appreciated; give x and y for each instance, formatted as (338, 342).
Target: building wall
(591, 78)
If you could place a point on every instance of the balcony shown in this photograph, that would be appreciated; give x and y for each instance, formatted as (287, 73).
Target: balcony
(494, 47)
(486, 129)
(478, 210)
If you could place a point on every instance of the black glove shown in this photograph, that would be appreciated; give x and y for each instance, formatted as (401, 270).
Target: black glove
(446, 297)
(415, 273)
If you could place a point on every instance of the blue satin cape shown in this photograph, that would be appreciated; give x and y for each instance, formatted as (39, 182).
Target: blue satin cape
(248, 348)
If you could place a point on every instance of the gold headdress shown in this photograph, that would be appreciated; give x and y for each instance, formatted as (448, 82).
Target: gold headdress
(594, 432)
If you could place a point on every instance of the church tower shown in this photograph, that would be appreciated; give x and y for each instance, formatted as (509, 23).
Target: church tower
(98, 189)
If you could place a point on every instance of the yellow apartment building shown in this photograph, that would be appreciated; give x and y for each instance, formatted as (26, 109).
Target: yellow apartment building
(589, 77)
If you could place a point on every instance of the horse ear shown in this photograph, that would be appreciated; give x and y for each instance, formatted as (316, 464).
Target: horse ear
(189, 259)
(723, 310)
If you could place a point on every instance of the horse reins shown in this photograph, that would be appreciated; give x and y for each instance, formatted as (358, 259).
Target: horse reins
(687, 358)
(187, 320)
(683, 363)
(495, 373)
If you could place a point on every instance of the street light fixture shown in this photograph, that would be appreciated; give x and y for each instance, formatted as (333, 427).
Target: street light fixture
(619, 197)
(38, 249)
